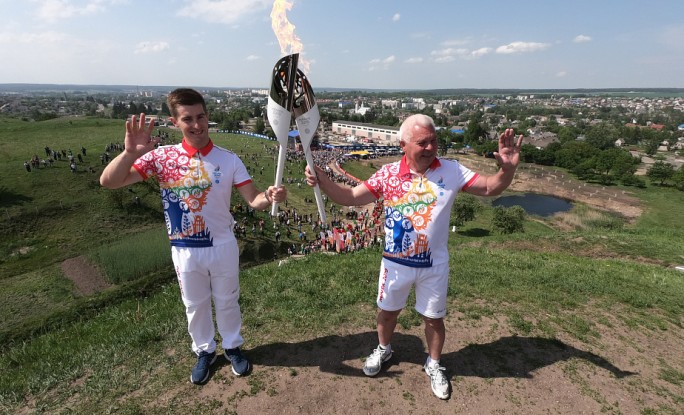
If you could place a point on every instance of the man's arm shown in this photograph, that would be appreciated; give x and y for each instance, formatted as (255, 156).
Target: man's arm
(262, 200)
(120, 172)
(507, 158)
(138, 141)
(342, 195)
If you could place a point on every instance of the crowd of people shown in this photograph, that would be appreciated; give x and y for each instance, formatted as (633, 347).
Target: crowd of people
(346, 229)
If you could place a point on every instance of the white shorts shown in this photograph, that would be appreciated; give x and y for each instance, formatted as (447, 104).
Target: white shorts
(431, 284)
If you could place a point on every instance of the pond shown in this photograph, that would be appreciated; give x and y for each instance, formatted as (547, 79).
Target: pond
(535, 204)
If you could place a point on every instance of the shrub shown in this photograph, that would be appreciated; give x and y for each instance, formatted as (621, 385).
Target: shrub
(509, 220)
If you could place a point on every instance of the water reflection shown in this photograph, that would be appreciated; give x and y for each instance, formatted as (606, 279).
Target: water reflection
(535, 204)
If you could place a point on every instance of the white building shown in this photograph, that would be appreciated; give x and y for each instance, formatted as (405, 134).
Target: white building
(377, 133)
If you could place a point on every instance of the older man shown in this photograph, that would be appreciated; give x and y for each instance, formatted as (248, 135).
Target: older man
(418, 192)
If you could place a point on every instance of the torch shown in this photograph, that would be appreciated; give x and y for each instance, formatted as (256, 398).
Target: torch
(280, 103)
(307, 117)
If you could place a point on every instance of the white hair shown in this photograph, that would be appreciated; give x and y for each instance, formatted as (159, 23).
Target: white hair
(410, 123)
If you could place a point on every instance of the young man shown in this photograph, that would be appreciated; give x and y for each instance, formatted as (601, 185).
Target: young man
(196, 180)
(418, 192)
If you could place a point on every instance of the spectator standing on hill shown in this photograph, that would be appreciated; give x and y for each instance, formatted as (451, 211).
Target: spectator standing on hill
(418, 192)
(196, 179)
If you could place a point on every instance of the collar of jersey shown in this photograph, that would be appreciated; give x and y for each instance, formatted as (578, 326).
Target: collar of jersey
(192, 150)
(404, 168)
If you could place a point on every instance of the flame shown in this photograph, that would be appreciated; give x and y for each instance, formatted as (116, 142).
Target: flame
(285, 31)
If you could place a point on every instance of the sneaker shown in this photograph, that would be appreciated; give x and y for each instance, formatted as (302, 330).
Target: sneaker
(240, 365)
(200, 373)
(375, 360)
(438, 381)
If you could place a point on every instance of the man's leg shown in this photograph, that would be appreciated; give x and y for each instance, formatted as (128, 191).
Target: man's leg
(435, 334)
(387, 322)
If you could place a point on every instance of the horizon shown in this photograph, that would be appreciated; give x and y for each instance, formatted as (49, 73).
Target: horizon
(7, 87)
(383, 45)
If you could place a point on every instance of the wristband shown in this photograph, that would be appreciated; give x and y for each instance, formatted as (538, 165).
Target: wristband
(268, 199)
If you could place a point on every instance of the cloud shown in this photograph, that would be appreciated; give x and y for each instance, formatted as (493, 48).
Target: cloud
(223, 11)
(414, 60)
(450, 54)
(561, 74)
(151, 47)
(252, 58)
(521, 47)
(582, 39)
(381, 64)
(480, 52)
(54, 10)
(396, 17)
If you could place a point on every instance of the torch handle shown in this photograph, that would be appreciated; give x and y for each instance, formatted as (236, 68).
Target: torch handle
(317, 189)
(282, 155)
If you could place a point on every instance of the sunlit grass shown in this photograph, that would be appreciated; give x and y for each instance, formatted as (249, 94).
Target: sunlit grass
(135, 256)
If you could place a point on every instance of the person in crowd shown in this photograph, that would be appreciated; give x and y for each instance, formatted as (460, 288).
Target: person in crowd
(196, 178)
(418, 192)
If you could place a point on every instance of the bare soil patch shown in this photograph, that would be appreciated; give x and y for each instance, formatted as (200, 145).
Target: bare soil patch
(86, 277)
(493, 370)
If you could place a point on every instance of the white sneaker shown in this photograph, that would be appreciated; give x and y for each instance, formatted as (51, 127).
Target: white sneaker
(375, 360)
(438, 381)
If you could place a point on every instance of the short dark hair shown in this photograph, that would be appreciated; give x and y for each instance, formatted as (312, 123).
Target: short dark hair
(184, 96)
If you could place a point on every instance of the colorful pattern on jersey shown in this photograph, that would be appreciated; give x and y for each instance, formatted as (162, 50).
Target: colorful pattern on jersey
(414, 207)
(184, 197)
(186, 185)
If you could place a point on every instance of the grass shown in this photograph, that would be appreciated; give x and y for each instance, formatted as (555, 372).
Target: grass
(118, 349)
(134, 257)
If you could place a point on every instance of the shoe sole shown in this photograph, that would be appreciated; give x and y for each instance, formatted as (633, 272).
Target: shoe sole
(208, 373)
(249, 367)
(371, 374)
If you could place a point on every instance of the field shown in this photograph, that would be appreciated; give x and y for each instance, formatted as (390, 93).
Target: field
(581, 313)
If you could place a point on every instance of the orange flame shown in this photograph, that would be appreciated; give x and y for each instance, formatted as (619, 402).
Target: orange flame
(285, 31)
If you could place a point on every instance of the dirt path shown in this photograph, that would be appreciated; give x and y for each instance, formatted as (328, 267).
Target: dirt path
(492, 369)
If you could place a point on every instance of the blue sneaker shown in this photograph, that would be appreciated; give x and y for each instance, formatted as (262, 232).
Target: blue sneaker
(240, 365)
(200, 373)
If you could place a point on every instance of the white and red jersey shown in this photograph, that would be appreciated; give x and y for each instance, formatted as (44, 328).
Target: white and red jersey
(196, 186)
(417, 209)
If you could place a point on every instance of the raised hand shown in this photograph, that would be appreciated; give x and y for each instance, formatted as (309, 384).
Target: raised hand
(508, 155)
(139, 138)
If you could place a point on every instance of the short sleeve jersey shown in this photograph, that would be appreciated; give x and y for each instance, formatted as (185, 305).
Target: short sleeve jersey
(196, 186)
(417, 209)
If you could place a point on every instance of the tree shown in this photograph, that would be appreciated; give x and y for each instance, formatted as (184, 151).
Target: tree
(602, 136)
(566, 134)
(574, 153)
(259, 127)
(444, 138)
(464, 210)
(509, 220)
(475, 133)
(660, 171)
(678, 178)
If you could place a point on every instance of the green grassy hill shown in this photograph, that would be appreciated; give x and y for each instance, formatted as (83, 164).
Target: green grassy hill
(121, 348)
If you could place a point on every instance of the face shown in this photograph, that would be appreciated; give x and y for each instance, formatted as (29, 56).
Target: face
(194, 123)
(421, 150)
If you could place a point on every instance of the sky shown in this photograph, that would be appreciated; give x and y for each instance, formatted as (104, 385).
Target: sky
(361, 44)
